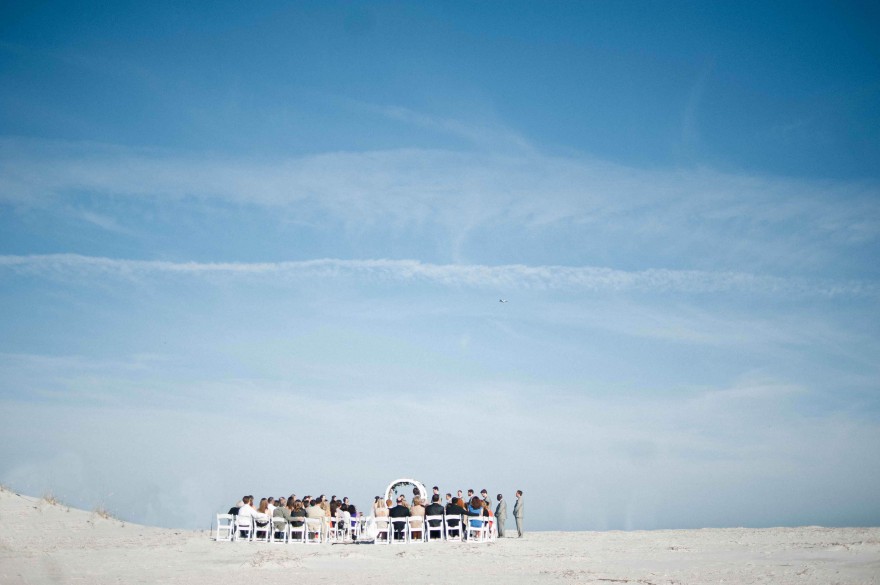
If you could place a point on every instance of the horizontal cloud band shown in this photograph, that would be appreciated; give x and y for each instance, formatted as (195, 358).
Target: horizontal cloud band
(507, 277)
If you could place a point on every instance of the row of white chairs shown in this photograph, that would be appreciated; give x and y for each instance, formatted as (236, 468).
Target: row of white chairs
(381, 529)
(435, 529)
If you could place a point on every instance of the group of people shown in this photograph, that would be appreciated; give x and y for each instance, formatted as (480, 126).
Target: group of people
(295, 510)
(459, 505)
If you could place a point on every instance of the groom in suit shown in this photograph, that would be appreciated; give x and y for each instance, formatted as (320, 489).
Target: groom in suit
(500, 515)
(518, 512)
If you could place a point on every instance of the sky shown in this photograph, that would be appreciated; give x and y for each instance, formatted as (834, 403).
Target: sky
(260, 250)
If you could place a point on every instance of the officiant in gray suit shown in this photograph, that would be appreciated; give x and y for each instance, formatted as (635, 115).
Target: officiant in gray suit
(518, 512)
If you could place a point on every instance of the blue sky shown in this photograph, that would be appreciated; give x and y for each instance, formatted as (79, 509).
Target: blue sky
(261, 250)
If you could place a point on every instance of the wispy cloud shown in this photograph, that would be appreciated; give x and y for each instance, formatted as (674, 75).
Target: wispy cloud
(510, 277)
(733, 220)
(482, 134)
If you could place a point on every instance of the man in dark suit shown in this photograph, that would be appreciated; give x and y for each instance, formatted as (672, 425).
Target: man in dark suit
(434, 509)
(399, 511)
(456, 508)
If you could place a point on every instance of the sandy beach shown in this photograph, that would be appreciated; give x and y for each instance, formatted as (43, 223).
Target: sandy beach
(44, 542)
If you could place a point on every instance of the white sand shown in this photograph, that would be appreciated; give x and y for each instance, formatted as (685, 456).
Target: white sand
(50, 543)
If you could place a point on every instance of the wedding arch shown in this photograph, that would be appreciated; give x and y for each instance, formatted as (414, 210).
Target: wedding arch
(423, 493)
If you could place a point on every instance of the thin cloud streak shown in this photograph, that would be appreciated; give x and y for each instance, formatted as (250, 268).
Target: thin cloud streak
(509, 277)
(404, 188)
(486, 135)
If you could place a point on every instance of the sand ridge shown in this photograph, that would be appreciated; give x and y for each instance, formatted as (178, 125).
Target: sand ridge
(43, 542)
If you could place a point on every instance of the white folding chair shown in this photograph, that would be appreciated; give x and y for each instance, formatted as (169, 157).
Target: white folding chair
(416, 528)
(280, 530)
(399, 530)
(335, 530)
(434, 528)
(383, 529)
(454, 529)
(225, 527)
(262, 533)
(356, 527)
(314, 530)
(477, 528)
(297, 533)
(244, 528)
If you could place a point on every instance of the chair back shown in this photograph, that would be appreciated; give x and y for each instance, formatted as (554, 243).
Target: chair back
(434, 527)
(280, 532)
(225, 527)
(454, 528)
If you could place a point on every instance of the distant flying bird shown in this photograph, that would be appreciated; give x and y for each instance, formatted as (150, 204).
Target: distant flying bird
(502, 300)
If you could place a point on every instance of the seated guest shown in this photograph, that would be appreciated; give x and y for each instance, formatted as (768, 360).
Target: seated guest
(487, 511)
(260, 519)
(418, 513)
(434, 509)
(282, 512)
(314, 510)
(381, 513)
(339, 517)
(399, 511)
(353, 514)
(245, 509)
(475, 508)
(454, 511)
(297, 512)
(265, 516)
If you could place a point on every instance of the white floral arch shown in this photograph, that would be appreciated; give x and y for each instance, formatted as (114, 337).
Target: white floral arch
(423, 493)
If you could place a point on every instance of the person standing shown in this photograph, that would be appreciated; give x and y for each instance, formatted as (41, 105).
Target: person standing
(500, 515)
(518, 512)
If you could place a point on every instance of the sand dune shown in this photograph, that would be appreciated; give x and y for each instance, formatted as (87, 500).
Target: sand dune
(42, 542)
